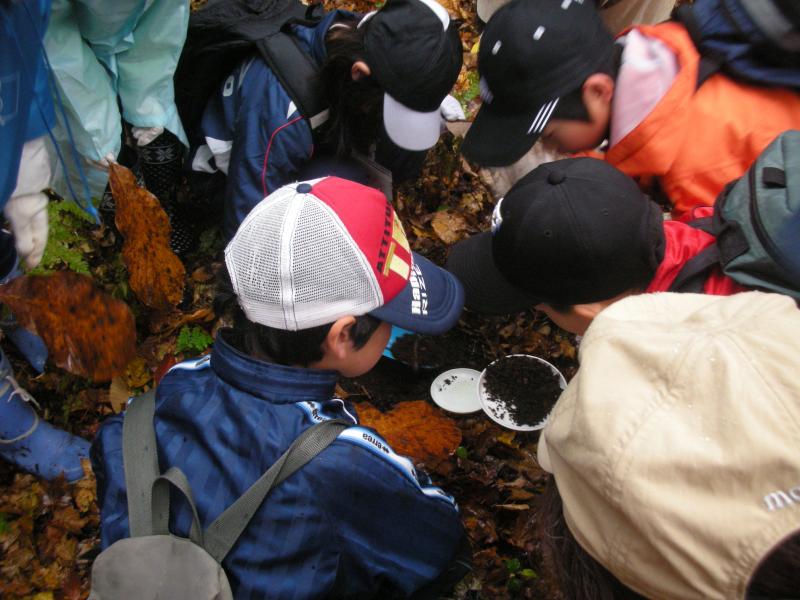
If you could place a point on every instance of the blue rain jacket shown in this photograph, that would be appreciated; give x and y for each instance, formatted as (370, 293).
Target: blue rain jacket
(357, 521)
(26, 109)
(110, 54)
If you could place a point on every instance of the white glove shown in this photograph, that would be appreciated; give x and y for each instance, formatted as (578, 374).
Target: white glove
(451, 110)
(105, 162)
(27, 215)
(145, 135)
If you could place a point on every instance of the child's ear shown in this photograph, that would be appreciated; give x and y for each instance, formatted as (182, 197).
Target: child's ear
(598, 87)
(360, 70)
(339, 343)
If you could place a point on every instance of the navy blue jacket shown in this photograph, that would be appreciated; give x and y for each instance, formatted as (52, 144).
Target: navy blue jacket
(272, 139)
(357, 521)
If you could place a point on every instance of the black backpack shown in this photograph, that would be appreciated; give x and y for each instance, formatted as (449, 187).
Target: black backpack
(756, 223)
(225, 32)
(755, 41)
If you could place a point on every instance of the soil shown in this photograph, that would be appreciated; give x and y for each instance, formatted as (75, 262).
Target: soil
(419, 351)
(524, 388)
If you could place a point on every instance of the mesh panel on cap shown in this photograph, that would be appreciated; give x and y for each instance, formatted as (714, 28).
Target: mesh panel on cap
(330, 273)
(253, 261)
(294, 265)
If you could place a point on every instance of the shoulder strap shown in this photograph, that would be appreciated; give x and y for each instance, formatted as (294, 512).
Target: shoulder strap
(160, 504)
(140, 462)
(692, 276)
(223, 533)
(710, 63)
(298, 74)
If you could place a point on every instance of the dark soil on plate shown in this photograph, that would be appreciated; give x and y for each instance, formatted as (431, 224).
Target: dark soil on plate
(393, 381)
(524, 389)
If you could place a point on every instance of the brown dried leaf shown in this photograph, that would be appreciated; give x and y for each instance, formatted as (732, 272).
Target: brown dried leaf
(87, 332)
(165, 322)
(414, 428)
(118, 394)
(449, 226)
(517, 507)
(156, 273)
(137, 373)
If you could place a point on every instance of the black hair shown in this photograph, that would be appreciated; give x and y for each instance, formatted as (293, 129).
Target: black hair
(581, 577)
(571, 106)
(355, 119)
(300, 348)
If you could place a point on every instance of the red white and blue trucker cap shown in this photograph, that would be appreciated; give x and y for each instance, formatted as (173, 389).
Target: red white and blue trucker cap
(314, 251)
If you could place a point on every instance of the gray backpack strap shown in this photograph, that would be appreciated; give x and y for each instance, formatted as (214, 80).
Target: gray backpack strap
(160, 505)
(223, 533)
(140, 462)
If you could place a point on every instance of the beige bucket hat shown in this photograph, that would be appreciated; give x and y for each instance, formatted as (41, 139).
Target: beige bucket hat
(676, 447)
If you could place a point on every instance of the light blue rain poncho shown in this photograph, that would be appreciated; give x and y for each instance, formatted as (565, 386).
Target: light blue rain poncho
(100, 50)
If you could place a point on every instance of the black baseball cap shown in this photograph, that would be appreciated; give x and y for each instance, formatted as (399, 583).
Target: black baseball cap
(414, 52)
(572, 231)
(532, 53)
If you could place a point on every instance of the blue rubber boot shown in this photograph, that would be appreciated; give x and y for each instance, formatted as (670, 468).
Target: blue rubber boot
(30, 443)
(28, 343)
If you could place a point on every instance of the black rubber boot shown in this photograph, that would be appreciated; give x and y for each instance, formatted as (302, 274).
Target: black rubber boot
(160, 161)
(127, 158)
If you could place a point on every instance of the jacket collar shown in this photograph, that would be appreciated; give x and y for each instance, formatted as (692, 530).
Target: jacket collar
(272, 382)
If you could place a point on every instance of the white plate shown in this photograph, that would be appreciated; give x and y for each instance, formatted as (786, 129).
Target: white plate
(456, 390)
(490, 407)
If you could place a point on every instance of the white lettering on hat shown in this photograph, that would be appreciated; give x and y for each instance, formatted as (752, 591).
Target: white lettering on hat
(539, 31)
(496, 48)
(419, 295)
(565, 4)
(366, 18)
(486, 93)
(780, 499)
(497, 217)
(543, 116)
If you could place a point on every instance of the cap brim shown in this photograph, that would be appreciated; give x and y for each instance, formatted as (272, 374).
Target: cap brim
(485, 288)
(430, 303)
(496, 139)
(410, 129)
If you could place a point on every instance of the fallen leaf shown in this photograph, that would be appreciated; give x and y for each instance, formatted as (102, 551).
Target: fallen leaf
(414, 429)
(202, 274)
(164, 366)
(156, 273)
(137, 373)
(71, 587)
(449, 226)
(507, 439)
(118, 394)
(68, 519)
(518, 507)
(517, 494)
(86, 331)
(166, 322)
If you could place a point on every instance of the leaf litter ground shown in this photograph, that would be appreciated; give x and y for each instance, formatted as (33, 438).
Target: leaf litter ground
(49, 531)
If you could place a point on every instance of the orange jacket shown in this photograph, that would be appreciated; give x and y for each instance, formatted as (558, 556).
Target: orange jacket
(697, 140)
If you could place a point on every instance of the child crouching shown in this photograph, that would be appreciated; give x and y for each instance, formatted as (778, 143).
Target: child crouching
(318, 271)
